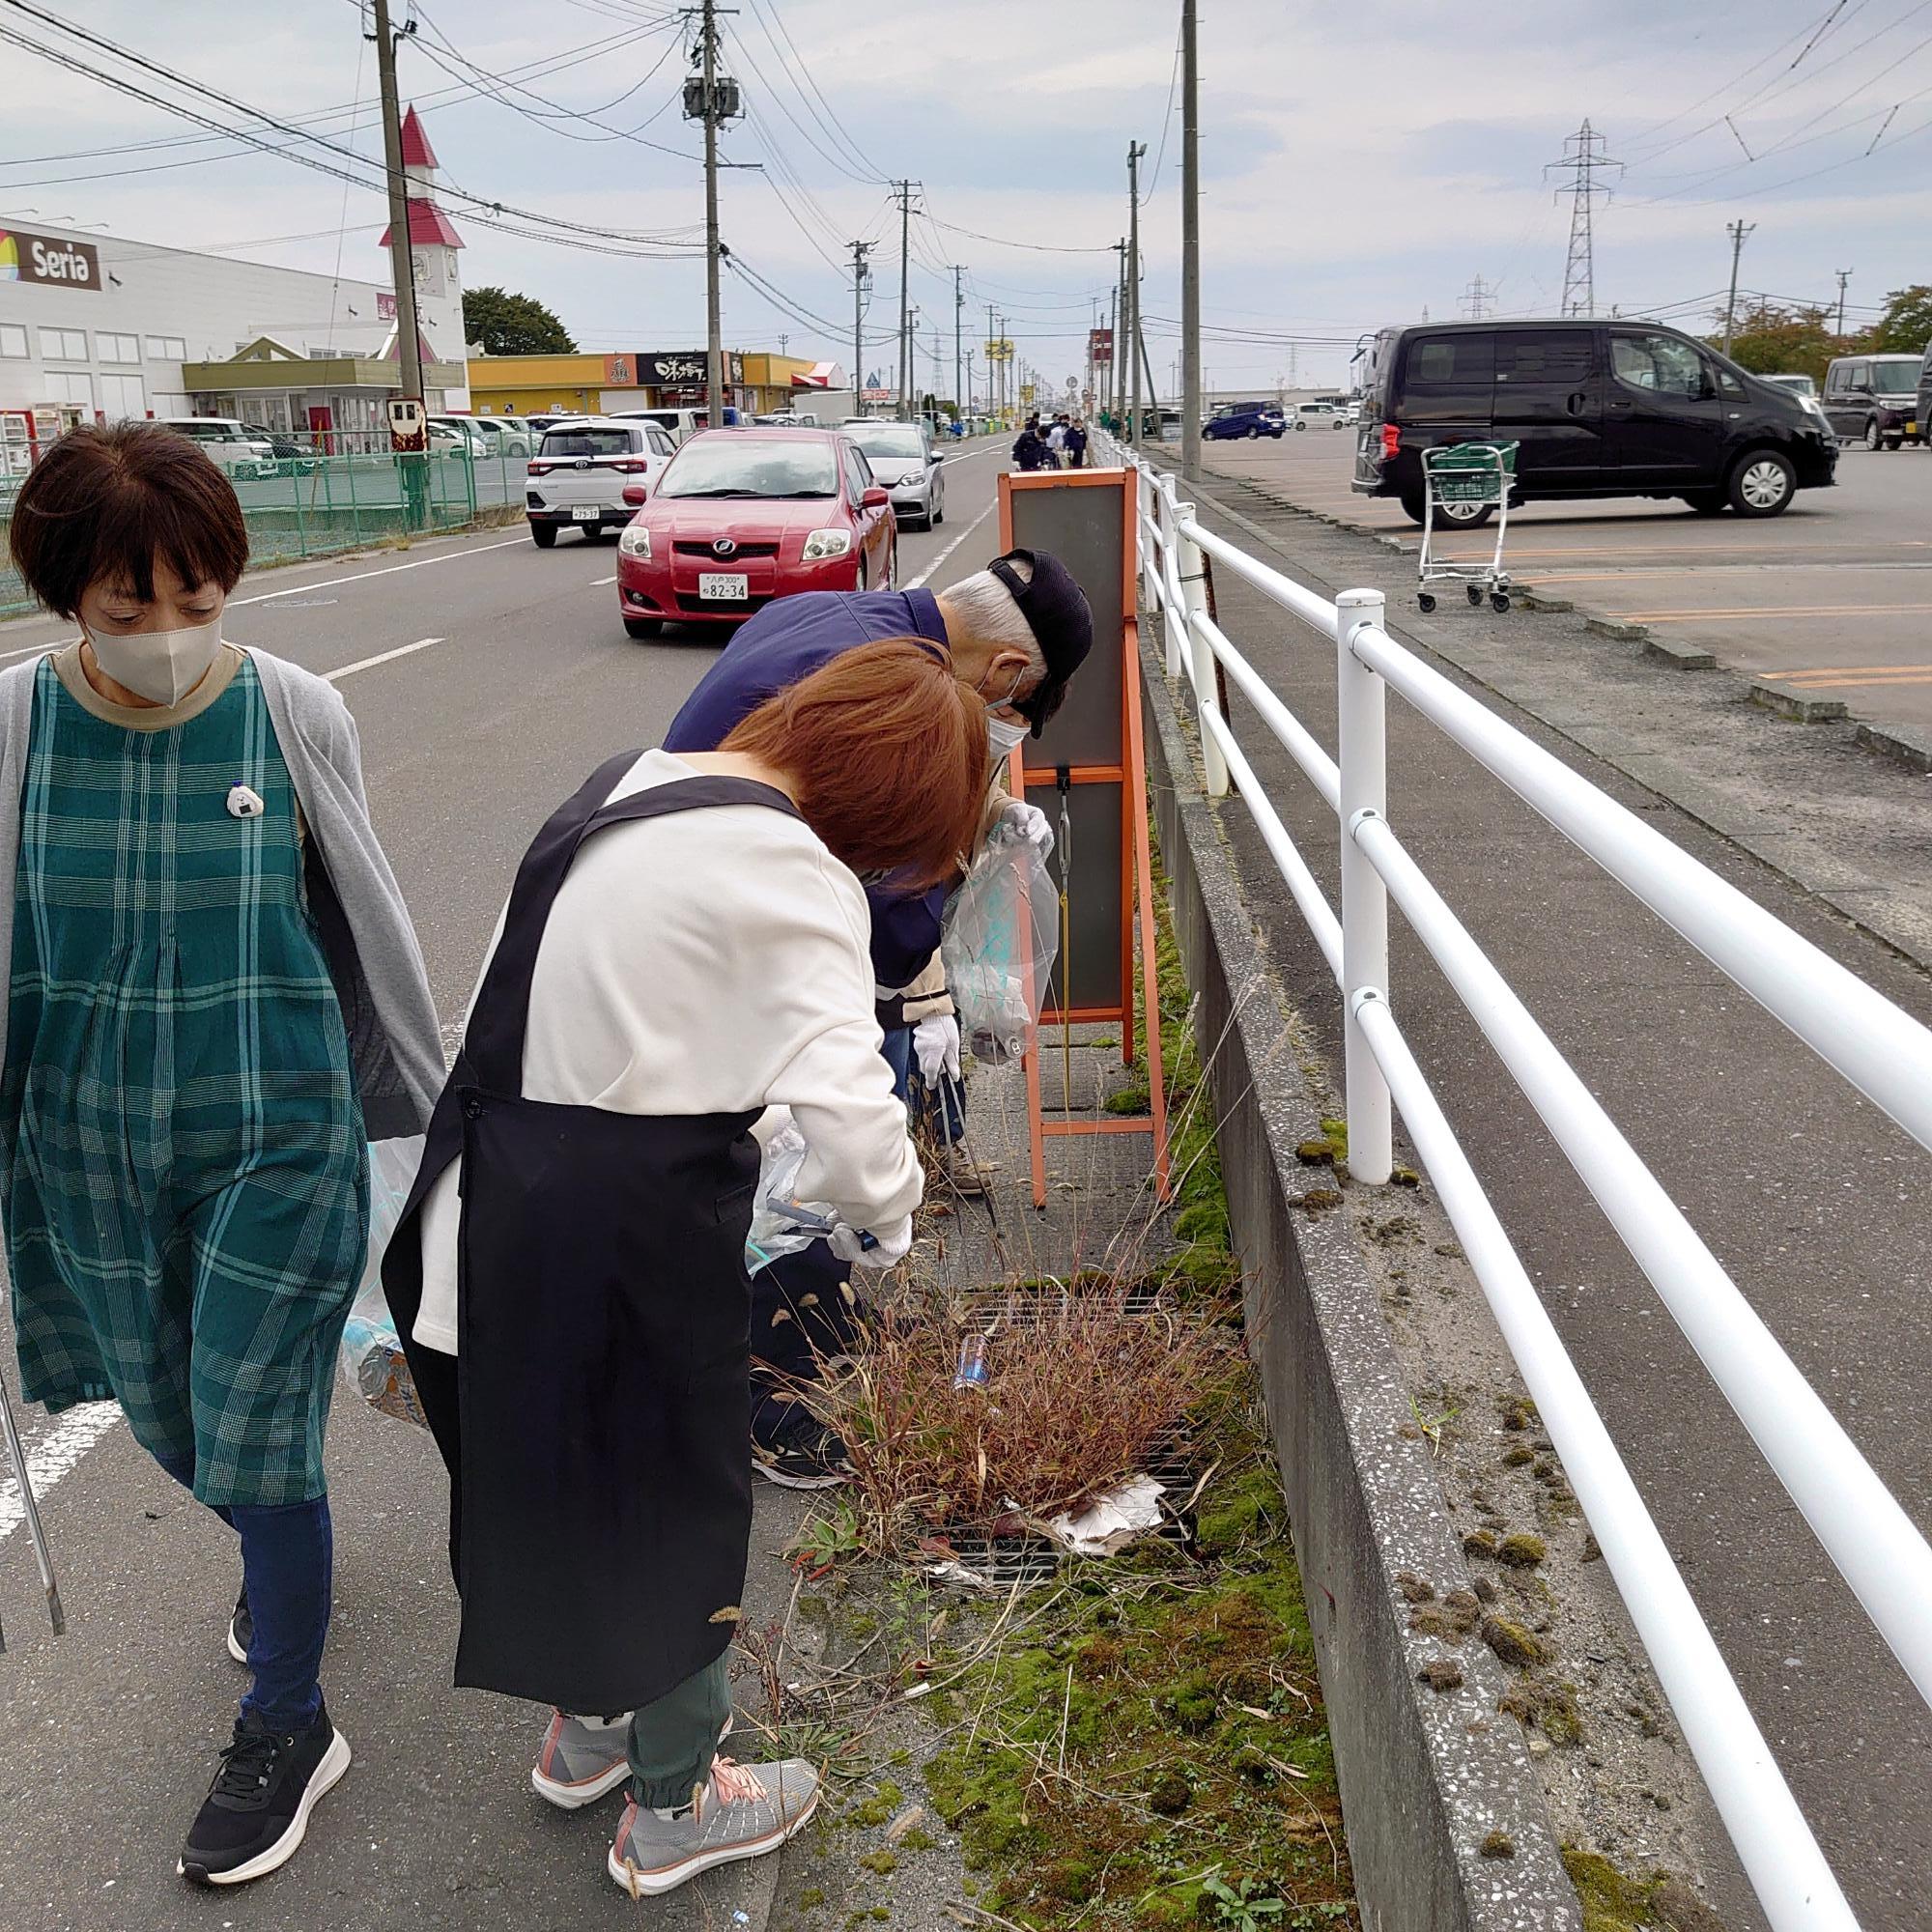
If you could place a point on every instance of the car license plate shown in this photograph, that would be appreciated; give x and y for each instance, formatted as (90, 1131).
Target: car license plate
(1911, 429)
(584, 513)
(724, 586)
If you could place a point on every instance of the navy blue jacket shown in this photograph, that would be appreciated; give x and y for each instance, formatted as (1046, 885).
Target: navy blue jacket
(787, 641)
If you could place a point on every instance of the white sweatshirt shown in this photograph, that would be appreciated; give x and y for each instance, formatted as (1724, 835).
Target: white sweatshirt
(714, 962)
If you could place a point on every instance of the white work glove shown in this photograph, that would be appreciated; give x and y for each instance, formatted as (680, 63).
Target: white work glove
(889, 1245)
(935, 1045)
(1028, 822)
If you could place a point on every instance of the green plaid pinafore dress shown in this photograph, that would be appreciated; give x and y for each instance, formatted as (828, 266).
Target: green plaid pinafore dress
(180, 1143)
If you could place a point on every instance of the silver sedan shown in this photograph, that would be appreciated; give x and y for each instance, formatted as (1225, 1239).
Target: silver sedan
(906, 463)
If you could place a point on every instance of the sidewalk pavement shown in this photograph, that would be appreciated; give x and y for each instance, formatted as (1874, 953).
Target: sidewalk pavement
(1816, 1205)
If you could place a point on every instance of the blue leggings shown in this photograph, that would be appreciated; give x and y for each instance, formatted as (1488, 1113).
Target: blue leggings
(288, 1554)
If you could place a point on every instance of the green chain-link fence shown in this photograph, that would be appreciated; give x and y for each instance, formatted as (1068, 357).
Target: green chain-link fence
(313, 505)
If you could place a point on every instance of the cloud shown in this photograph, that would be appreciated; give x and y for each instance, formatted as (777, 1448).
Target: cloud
(1359, 163)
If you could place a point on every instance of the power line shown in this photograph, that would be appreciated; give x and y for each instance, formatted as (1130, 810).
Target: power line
(484, 210)
(798, 64)
(1166, 122)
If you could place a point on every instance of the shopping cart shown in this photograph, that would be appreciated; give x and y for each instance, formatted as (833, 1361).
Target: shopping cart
(1465, 477)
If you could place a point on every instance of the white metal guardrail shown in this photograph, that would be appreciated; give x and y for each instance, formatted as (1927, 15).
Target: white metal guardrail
(1879, 1049)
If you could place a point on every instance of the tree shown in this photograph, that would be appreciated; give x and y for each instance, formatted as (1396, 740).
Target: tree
(1775, 340)
(1906, 327)
(510, 325)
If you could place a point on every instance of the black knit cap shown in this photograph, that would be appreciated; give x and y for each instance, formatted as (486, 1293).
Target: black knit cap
(1055, 607)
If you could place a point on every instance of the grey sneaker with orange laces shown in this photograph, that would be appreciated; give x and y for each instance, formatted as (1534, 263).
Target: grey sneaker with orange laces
(742, 1812)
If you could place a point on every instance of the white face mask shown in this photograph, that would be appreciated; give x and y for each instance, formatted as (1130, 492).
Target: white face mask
(161, 666)
(1004, 736)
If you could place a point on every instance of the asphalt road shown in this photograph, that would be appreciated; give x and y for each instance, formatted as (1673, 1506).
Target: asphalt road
(488, 679)
(1834, 595)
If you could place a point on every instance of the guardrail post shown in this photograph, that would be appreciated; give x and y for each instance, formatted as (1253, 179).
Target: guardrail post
(1362, 747)
(1170, 617)
(1189, 579)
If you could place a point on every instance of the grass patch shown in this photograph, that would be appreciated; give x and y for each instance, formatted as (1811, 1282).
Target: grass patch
(1152, 1751)
(1077, 1398)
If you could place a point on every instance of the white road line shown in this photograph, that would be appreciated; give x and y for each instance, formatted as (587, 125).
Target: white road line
(596, 580)
(56, 1454)
(380, 658)
(387, 570)
(913, 582)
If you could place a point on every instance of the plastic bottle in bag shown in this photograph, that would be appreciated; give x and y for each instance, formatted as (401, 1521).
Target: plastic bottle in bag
(1000, 941)
(781, 1224)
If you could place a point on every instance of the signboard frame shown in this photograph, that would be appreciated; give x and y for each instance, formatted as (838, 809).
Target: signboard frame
(1106, 734)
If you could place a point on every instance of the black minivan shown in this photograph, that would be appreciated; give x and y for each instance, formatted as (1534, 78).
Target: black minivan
(1598, 408)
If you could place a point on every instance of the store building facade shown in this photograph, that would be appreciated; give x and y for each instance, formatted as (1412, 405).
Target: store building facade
(653, 378)
(95, 329)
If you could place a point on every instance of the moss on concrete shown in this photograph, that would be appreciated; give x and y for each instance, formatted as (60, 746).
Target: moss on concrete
(1156, 1728)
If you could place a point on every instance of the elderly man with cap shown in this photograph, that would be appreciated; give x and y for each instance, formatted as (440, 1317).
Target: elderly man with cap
(1015, 633)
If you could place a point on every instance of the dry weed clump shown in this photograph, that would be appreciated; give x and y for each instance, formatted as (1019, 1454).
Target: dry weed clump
(1083, 1390)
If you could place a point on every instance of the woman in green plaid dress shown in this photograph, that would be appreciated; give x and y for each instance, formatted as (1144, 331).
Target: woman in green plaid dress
(183, 1170)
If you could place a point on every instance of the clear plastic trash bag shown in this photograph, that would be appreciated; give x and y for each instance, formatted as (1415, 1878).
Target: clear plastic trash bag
(780, 1223)
(998, 943)
(373, 1364)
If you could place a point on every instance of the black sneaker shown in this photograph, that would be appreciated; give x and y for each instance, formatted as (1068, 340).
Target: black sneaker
(241, 1629)
(792, 1448)
(257, 1809)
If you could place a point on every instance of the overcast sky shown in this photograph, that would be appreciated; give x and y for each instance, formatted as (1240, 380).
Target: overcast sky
(1359, 163)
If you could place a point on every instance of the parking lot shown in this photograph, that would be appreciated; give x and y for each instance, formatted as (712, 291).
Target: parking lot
(1833, 596)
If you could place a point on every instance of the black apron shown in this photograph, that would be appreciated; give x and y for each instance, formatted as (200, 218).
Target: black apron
(593, 1420)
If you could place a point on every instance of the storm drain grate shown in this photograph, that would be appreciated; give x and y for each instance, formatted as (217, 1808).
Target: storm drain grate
(1025, 1561)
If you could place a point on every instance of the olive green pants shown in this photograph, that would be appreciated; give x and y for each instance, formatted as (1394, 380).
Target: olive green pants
(672, 1742)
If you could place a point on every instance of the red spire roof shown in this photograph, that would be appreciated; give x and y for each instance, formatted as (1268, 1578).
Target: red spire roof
(417, 150)
(428, 226)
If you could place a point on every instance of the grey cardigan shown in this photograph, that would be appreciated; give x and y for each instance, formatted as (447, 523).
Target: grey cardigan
(359, 909)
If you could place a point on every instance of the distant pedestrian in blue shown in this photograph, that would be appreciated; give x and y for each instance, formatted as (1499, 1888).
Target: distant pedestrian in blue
(1076, 444)
(214, 999)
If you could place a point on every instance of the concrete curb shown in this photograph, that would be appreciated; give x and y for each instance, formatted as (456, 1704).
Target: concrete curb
(1788, 700)
(1615, 627)
(1686, 657)
(1907, 744)
(1427, 1778)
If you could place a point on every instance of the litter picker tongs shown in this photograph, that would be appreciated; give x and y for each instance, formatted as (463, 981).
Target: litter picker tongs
(42, 1555)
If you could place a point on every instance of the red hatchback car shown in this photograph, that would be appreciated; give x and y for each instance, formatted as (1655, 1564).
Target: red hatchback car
(742, 516)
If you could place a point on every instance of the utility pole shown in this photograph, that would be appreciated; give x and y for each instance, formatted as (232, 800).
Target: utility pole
(959, 309)
(1844, 276)
(784, 339)
(711, 98)
(860, 250)
(402, 267)
(1135, 150)
(1737, 230)
(970, 411)
(1582, 157)
(1123, 345)
(1190, 244)
(907, 375)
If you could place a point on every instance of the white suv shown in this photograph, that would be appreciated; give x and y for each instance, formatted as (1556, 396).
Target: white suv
(237, 449)
(581, 469)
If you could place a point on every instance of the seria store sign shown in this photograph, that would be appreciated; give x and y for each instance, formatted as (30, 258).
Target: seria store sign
(48, 259)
